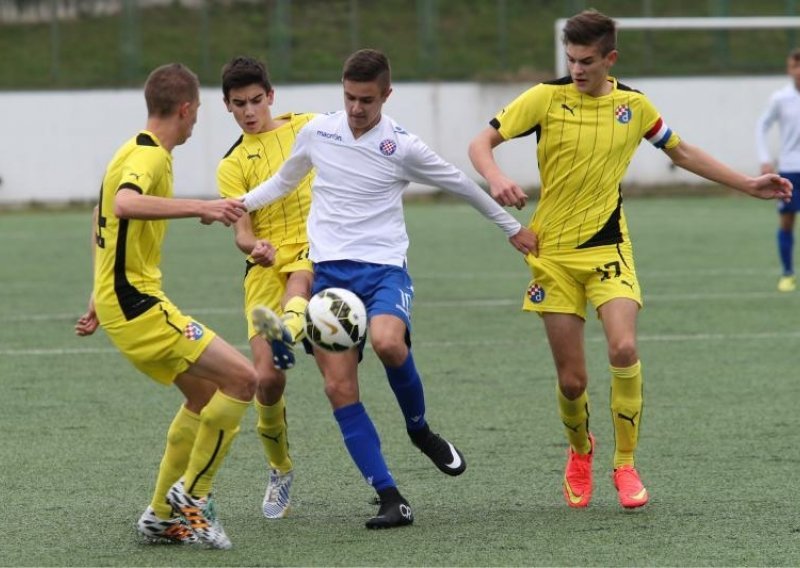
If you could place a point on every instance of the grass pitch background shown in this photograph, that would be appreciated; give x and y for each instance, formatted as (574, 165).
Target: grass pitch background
(82, 431)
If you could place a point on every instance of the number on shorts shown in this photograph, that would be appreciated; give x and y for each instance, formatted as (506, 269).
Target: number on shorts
(605, 271)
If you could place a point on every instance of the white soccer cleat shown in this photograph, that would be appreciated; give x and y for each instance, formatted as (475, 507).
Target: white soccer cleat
(155, 530)
(277, 497)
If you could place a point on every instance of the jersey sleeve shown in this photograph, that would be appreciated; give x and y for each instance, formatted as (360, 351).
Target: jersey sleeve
(765, 122)
(423, 165)
(142, 169)
(524, 114)
(230, 182)
(657, 132)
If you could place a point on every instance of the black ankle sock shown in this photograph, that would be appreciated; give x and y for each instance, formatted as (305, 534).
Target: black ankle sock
(390, 495)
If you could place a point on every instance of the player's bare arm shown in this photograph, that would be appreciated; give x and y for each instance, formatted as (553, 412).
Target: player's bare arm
(130, 204)
(503, 189)
(87, 324)
(243, 235)
(695, 160)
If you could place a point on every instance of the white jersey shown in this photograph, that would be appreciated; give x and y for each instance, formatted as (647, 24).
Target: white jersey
(356, 206)
(783, 107)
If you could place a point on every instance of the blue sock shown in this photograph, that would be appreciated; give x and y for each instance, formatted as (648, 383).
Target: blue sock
(785, 249)
(361, 440)
(407, 387)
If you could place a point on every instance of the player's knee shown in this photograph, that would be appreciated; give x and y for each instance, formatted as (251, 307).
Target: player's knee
(268, 376)
(341, 393)
(572, 387)
(623, 353)
(270, 386)
(242, 382)
(392, 351)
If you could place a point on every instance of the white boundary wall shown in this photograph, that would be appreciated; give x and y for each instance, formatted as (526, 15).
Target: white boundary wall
(54, 146)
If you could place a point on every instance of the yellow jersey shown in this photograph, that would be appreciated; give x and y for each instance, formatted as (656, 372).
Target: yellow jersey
(584, 146)
(254, 158)
(127, 277)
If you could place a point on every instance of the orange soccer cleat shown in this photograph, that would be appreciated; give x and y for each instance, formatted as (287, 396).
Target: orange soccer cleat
(578, 477)
(630, 490)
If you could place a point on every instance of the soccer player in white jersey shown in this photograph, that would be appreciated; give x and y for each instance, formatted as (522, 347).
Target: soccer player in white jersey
(784, 108)
(364, 161)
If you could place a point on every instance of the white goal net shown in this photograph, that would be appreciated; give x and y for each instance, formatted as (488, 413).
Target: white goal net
(754, 45)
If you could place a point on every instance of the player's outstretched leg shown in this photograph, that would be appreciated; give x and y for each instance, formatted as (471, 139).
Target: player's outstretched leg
(277, 498)
(155, 530)
(630, 490)
(394, 511)
(442, 453)
(200, 515)
(578, 476)
(271, 327)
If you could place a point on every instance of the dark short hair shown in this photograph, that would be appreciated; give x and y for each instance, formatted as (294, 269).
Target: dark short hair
(367, 65)
(168, 86)
(591, 27)
(244, 71)
(794, 55)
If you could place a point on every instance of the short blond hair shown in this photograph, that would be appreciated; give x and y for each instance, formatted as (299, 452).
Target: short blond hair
(167, 87)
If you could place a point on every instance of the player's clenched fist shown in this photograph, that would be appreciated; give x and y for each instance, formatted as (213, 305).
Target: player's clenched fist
(263, 253)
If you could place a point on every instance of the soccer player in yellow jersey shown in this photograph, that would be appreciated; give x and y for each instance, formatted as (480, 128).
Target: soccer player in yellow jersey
(217, 381)
(587, 127)
(278, 272)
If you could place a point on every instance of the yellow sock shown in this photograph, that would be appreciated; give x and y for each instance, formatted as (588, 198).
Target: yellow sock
(180, 439)
(273, 433)
(294, 317)
(575, 416)
(219, 424)
(626, 411)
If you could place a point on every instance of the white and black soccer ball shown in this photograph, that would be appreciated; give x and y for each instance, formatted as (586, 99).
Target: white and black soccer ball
(336, 319)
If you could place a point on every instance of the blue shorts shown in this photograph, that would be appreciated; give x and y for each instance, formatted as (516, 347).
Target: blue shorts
(793, 206)
(384, 288)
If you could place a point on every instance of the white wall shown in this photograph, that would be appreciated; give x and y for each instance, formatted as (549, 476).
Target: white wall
(54, 146)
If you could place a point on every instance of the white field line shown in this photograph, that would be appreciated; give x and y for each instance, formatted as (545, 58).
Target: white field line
(658, 338)
(444, 304)
(643, 274)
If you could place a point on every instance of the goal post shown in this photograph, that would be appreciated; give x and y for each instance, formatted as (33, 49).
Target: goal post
(699, 23)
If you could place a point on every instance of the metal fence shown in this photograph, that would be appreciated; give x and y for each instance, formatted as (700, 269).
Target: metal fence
(112, 43)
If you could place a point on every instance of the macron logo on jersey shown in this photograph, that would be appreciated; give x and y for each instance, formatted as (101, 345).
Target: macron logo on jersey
(659, 134)
(329, 135)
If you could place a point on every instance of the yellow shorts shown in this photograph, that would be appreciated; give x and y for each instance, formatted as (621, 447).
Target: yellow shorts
(162, 342)
(266, 285)
(563, 282)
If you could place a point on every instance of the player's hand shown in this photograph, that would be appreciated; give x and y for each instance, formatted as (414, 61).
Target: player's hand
(526, 242)
(507, 193)
(263, 253)
(225, 211)
(767, 169)
(88, 322)
(771, 186)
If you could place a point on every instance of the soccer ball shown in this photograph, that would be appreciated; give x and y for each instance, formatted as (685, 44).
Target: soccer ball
(336, 319)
